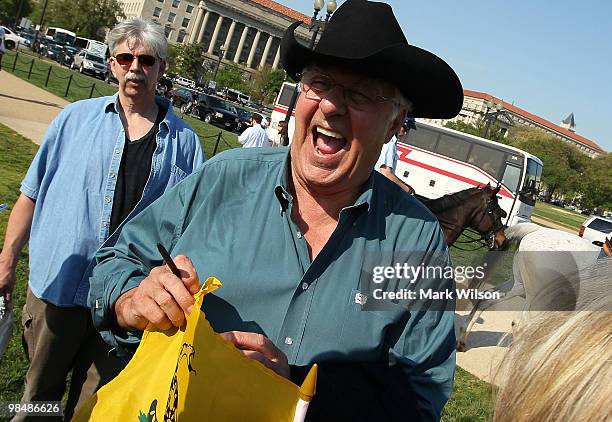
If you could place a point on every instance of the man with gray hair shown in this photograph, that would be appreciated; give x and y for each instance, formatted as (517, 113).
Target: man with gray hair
(101, 162)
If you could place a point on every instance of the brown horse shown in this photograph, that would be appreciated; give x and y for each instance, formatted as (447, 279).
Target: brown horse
(475, 208)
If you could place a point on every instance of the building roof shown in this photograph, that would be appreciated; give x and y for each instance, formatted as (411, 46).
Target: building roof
(525, 114)
(277, 7)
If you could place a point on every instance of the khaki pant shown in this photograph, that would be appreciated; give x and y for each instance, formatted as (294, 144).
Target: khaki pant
(59, 341)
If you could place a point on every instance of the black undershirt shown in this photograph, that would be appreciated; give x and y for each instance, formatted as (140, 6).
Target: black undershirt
(133, 172)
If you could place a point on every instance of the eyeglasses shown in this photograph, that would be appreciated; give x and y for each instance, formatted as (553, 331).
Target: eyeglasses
(126, 59)
(317, 85)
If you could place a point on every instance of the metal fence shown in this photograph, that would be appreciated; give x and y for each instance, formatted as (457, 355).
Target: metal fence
(50, 72)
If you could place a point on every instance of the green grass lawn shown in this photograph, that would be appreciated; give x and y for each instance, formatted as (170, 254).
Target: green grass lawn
(16, 152)
(559, 215)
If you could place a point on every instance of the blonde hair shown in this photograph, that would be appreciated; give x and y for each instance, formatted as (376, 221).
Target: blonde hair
(559, 366)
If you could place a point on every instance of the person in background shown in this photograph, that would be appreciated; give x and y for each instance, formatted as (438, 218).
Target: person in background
(101, 162)
(255, 135)
(387, 161)
(2, 46)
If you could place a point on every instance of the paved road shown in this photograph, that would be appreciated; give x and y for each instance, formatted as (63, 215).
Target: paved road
(25, 108)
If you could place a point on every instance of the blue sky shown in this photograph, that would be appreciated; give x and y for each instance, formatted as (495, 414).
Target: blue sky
(550, 58)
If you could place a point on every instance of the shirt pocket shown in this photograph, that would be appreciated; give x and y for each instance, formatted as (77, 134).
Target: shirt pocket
(176, 175)
(365, 330)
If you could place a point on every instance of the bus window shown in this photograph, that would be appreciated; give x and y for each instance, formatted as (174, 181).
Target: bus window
(534, 172)
(453, 147)
(423, 138)
(487, 159)
(512, 177)
(285, 96)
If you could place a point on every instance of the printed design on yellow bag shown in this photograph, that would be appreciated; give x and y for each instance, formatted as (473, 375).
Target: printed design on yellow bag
(165, 365)
(187, 351)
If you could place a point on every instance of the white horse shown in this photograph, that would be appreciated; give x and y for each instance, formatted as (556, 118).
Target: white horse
(546, 268)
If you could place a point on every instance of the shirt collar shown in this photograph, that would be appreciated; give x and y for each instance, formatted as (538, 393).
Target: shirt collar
(284, 197)
(112, 105)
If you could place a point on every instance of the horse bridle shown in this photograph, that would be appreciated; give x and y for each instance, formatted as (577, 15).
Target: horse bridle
(487, 239)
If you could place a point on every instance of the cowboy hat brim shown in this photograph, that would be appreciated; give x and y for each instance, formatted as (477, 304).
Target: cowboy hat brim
(426, 80)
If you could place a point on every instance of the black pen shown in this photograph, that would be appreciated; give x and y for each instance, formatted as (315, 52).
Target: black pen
(168, 260)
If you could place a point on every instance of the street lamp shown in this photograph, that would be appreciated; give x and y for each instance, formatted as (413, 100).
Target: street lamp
(493, 115)
(316, 25)
(221, 51)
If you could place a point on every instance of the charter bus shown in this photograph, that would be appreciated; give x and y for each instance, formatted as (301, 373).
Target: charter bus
(98, 48)
(436, 161)
(279, 111)
(61, 36)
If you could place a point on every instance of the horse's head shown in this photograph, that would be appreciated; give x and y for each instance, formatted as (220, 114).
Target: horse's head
(487, 218)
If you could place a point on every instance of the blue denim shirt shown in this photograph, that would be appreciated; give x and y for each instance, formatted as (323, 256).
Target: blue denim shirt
(72, 179)
(233, 219)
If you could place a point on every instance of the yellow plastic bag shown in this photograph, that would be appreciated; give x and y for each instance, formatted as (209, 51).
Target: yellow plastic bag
(193, 374)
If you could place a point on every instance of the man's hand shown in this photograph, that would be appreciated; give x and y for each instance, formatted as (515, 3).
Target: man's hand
(259, 347)
(7, 279)
(161, 299)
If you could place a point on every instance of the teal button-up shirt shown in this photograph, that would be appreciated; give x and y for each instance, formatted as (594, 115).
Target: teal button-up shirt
(232, 218)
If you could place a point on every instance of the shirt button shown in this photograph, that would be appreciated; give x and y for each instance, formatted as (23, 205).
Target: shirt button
(107, 200)
(304, 286)
(117, 151)
(299, 235)
(113, 175)
(104, 224)
(289, 341)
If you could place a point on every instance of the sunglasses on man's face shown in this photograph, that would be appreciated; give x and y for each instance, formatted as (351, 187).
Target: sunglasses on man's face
(126, 59)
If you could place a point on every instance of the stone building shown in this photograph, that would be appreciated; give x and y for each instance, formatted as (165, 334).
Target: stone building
(246, 33)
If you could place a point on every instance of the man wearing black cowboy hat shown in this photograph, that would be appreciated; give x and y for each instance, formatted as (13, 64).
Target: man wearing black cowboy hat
(288, 232)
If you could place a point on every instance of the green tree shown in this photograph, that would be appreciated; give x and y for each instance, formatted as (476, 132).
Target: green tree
(231, 77)
(596, 189)
(266, 83)
(187, 60)
(495, 133)
(9, 9)
(464, 127)
(88, 18)
(564, 165)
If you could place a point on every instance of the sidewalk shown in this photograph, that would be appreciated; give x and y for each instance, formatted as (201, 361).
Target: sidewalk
(25, 108)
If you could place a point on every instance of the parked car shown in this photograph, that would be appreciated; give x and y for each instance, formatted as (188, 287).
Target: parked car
(215, 111)
(89, 63)
(244, 118)
(67, 55)
(54, 51)
(11, 39)
(596, 229)
(185, 82)
(180, 97)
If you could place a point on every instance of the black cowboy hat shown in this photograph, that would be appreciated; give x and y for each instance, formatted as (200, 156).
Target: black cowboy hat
(365, 36)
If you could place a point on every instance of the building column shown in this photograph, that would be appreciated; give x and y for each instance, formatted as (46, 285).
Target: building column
(228, 39)
(276, 59)
(245, 30)
(253, 48)
(266, 51)
(196, 24)
(213, 40)
(203, 27)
